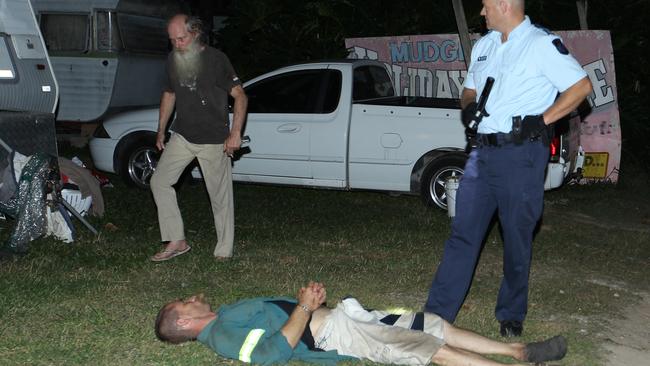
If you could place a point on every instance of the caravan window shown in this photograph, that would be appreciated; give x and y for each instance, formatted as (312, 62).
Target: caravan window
(65, 32)
(7, 71)
(108, 35)
(143, 34)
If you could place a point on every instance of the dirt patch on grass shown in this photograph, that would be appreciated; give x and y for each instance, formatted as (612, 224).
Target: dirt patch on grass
(627, 220)
(626, 338)
(619, 224)
(628, 343)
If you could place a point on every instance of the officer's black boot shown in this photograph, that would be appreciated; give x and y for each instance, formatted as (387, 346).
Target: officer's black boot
(511, 328)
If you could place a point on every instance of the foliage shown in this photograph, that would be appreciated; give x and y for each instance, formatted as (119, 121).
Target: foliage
(630, 37)
(260, 36)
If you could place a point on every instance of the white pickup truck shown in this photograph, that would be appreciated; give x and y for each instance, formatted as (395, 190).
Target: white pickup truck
(332, 125)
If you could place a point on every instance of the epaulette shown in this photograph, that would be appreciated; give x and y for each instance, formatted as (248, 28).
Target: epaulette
(543, 28)
(488, 31)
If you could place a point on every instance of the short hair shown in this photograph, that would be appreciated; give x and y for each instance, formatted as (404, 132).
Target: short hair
(194, 25)
(521, 4)
(166, 328)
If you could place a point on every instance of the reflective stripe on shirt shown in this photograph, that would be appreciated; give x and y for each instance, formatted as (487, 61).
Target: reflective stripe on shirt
(249, 345)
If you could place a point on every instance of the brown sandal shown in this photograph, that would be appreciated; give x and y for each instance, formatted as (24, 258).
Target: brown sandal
(169, 254)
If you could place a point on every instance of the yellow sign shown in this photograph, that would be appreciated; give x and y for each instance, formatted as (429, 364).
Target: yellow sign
(595, 165)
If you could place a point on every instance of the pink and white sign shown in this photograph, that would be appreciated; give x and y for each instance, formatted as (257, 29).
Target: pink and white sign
(434, 66)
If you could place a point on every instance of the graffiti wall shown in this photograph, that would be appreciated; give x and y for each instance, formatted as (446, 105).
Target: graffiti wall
(434, 66)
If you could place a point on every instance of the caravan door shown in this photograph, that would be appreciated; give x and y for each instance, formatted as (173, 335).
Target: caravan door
(26, 79)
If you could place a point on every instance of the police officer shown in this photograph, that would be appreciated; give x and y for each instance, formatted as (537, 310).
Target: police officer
(505, 172)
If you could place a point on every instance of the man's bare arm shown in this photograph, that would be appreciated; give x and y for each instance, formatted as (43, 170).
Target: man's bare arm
(167, 102)
(233, 142)
(311, 297)
(569, 100)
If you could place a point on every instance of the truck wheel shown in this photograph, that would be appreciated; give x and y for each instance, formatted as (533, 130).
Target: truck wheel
(434, 177)
(139, 162)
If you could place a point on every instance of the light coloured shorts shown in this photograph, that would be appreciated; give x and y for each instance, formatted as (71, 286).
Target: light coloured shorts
(353, 331)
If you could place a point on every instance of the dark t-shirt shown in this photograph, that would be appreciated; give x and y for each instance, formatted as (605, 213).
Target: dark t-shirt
(202, 111)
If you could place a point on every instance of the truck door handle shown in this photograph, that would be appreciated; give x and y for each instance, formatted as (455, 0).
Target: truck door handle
(289, 128)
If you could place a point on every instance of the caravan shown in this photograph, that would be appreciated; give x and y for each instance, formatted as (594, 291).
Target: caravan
(28, 99)
(26, 79)
(107, 55)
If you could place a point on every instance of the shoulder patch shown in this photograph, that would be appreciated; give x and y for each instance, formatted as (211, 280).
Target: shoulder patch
(560, 46)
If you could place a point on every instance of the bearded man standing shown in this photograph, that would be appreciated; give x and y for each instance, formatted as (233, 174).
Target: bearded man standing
(199, 80)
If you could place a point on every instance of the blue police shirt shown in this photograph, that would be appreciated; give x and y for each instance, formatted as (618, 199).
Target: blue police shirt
(529, 70)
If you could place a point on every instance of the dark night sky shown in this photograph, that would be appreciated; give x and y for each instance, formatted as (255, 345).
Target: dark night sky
(208, 8)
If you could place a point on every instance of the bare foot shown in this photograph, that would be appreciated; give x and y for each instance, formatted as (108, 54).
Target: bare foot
(177, 245)
(173, 249)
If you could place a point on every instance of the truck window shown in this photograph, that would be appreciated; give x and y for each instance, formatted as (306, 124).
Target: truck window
(296, 92)
(143, 34)
(7, 70)
(108, 35)
(65, 32)
(371, 82)
(332, 92)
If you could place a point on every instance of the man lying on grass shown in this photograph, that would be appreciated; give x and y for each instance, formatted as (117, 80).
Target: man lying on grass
(275, 330)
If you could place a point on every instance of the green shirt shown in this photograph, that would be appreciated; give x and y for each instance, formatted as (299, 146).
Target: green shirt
(249, 331)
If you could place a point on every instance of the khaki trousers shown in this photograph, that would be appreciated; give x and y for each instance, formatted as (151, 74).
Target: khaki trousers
(217, 174)
(353, 331)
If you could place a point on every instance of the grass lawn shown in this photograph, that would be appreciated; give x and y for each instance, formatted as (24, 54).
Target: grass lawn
(94, 301)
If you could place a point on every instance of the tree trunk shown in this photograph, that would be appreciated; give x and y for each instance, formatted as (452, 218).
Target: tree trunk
(463, 31)
(582, 13)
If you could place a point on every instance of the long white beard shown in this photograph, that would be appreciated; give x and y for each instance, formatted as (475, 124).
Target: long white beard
(188, 64)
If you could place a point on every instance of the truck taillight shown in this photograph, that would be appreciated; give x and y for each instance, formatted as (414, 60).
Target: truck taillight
(555, 149)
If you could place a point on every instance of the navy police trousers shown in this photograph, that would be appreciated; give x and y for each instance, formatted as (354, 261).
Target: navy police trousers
(508, 178)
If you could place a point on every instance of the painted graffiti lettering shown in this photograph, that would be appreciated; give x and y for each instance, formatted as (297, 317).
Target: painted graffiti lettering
(596, 128)
(433, 66)
(425, 51)
(420, 82)
(603, 93)
(357, 52)
(396, 75)
(448, 83)
(427, 83)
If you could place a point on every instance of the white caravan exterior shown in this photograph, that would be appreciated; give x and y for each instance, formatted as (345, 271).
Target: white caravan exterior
(107, 55)
(26, 79)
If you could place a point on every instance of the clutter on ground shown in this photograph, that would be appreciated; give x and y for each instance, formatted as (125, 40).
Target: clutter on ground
(32, 191)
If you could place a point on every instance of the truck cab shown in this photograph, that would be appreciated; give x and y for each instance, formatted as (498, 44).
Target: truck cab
(328, 124)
